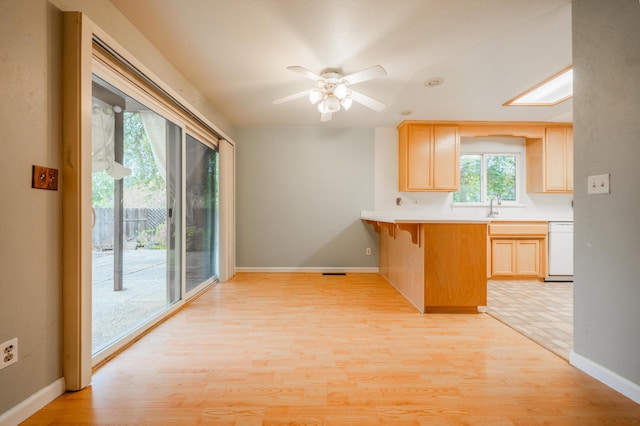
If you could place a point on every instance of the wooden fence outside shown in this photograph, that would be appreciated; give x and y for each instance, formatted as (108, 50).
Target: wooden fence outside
(142, 228)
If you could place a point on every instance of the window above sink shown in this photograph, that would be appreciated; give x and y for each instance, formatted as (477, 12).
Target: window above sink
(490, 171)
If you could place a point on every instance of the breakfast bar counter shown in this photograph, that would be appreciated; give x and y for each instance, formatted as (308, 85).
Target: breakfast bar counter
(438, 264)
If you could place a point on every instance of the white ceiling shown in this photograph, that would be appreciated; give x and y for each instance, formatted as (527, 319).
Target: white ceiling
(487, 51)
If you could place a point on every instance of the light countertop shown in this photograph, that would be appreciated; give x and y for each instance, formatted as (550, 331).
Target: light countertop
(416, 216)
(531, 219)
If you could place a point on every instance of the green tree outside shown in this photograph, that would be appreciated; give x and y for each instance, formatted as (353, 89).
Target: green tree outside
(500, 182)
(470, 179)
(501, 177)
(145, 186)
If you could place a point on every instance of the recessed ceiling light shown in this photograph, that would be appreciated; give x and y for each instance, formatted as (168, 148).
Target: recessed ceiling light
(434, 82)
(552, 91)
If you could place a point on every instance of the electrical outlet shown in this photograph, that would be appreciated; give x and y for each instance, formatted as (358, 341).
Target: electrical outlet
(44, 178)
(368, 251)
(9, 353)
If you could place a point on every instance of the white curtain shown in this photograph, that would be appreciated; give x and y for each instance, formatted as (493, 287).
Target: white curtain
(156, 128)
(227, 211)
(103, 156)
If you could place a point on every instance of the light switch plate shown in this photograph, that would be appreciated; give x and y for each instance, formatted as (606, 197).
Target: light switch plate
(598, 184)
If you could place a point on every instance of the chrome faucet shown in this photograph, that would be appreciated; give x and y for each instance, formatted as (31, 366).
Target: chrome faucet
(492, 212)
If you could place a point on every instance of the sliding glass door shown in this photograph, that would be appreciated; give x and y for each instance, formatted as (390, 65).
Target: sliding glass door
(124, 196)
(136, 205)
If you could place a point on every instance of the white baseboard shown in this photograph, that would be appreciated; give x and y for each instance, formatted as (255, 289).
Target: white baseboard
(613, 380)
(31, 405)
(345, 270)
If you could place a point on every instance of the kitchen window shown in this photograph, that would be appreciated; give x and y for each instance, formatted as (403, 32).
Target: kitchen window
(490, 173)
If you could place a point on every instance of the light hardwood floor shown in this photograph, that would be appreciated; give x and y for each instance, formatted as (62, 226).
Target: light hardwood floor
(310, 349)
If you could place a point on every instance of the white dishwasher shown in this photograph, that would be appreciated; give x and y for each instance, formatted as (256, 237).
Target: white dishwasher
(560, 251)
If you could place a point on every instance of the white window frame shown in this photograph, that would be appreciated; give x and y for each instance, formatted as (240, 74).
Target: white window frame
(495, 146)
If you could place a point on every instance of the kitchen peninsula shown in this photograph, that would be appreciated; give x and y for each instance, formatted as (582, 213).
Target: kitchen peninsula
(437, 264)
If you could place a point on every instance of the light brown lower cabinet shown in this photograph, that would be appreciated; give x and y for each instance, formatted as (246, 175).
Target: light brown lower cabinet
(517, 250)
(515, 258)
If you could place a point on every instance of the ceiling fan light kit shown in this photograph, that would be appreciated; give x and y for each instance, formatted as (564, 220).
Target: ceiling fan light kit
(315, 95)
(346, 103)
(329, 104)
(333, 92)
(341, 91)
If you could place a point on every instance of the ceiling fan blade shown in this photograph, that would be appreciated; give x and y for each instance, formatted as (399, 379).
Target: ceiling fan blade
(367, 101)
(309, 74)
(370, 73)
(292, 97)
(326, 116)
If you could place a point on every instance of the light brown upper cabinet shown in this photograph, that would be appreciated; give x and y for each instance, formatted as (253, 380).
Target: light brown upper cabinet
(550, 161)
(429, 157)
(429, 153)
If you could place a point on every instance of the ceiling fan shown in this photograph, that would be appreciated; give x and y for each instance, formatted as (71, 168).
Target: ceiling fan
(333, 90)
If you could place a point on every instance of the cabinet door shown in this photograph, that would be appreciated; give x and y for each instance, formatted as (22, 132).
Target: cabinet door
(556, 159)
(415, 157)
(527, 258)
(503, 257)
(446, 159)
(428, 157)
(570, 160)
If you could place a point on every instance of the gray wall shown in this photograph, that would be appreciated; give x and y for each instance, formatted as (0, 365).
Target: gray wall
(606, 59)
(299, 196)
(30, 258)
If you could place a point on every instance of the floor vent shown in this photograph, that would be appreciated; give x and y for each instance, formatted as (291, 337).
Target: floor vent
(334, 273)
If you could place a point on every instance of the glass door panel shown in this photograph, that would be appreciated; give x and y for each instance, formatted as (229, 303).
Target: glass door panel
(202, 175)
(136, 195)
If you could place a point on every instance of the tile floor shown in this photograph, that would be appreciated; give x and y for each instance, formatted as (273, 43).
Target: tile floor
(542, 311)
